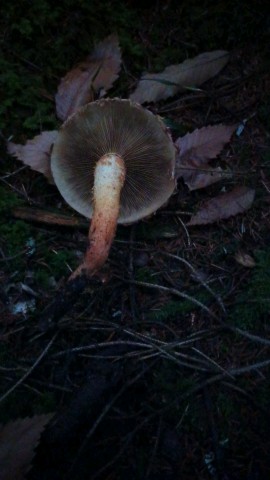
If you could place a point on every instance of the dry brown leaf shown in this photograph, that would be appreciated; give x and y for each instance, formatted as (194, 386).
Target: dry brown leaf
(18, 441)
(206, 142)
(196, 177)
(196, 149)
(223, 206)
(98, 71)
(176, 78)
(245, 259)
(36, 153)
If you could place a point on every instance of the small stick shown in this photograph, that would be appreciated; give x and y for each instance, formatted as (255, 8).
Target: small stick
(49, 218)
(31, 369)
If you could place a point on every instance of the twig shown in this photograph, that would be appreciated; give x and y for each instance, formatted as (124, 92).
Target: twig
(50, 218)
(185, 230)
(250, 336)
(151, 350)
(163, 353)
(192, 391)
(100, 345)
(13, 173)
(190, 266)
(215, 378)
(163, 348)
(211, 361)
(176, 292)
(31, 369)
(248, 397)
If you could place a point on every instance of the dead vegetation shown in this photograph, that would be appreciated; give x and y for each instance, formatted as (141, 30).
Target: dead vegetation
(159, 368)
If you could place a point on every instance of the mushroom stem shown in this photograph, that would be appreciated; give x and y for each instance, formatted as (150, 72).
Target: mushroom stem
(109, 179)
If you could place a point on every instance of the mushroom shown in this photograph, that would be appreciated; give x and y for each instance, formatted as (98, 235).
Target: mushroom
(113, 161)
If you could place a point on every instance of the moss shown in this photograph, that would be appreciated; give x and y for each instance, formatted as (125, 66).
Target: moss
(43, 278)
(54, 265)
(174, 308)
(60, 261)
(8, 200)
(47, 40)
(144, 274)
(13, 242)
(177, 128)
(14, 236)
(253, 304)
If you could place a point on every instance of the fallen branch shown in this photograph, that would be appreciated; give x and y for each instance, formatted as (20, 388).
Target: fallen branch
(50, 218)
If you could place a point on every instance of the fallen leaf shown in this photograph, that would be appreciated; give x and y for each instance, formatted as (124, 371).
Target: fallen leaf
(98, 71)
(206, 142)
(36, 153)
(176, 78)
(195, 176)
(245, 259)
(18, 440)
(196, 149)
(224, 206)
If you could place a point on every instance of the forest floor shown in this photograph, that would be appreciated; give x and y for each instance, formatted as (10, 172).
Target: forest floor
(161, 370)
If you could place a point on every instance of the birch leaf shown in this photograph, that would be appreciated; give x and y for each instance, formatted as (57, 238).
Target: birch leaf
(36, 153)
(224, 206)
(98, 71)
(18, 440)
(196, 177)
(196, 149)
(190, 74)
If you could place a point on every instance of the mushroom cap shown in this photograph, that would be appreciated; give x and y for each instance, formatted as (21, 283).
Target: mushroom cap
(124, 128)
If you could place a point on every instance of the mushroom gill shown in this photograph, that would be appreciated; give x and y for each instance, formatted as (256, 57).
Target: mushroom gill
(113, 161)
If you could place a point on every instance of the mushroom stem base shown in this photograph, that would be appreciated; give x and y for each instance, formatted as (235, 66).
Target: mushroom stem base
(108, 183)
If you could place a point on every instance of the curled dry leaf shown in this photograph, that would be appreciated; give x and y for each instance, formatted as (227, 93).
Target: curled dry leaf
(196, 149)
(36, 153)
(98, 71)
(224, 206)
(176, 78)
(245, 259)
(18, 441)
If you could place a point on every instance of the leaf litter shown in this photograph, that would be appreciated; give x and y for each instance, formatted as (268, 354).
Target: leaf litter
(95, 74)
(99, 71)
(177, 78)
(196, 149)
(18, 440)
(36, 153)
(194, 319)
(223, 206)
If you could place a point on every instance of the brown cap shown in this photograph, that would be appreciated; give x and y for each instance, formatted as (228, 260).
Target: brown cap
(134, 134)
